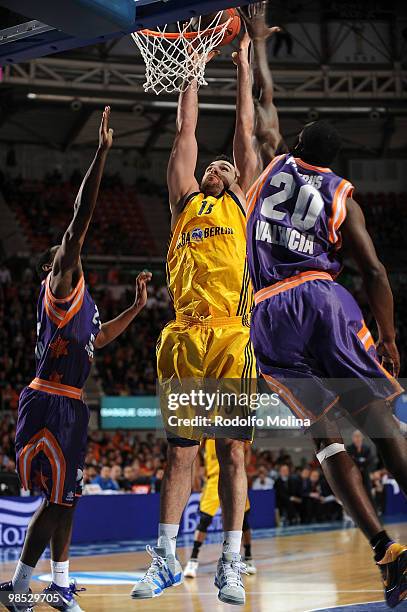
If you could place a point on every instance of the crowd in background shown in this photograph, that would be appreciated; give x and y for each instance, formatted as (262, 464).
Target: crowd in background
(131, 462)
(127, 366)
(118, 224)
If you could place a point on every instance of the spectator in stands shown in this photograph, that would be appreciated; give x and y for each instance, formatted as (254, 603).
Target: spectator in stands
(362, 456)
(127, 481)
(115, 475)
(263, 481)
(5, 275)
(312, 500)
(9, 481)
(377, 489)
(89, 474)
(105, 481)
(156, 481)
(330, 509)
(288, 496)
(305, 487)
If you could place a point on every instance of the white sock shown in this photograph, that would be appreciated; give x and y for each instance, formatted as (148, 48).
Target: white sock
(22, 577)
(232, 541)
(167, 537)
(60, 573)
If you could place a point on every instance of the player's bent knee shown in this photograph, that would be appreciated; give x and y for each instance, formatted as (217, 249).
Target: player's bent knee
(204, 522)
(330, 451)
(181, 456)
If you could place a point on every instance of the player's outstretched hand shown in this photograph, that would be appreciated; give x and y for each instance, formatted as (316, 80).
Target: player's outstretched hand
(105, 133)
(242, 55)
(141, 289)
(254, 17)
(389, 355)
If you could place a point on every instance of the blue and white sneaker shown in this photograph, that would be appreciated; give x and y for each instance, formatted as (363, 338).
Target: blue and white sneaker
(6, 589)
(229, 581)
(165, 571)
(63, 598)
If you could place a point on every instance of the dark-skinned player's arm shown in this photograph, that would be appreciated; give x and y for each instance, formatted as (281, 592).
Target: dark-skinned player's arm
(244, 152)
(376, 282)
(67, 268)
(184, 155)
(267, 129)
(112, 329)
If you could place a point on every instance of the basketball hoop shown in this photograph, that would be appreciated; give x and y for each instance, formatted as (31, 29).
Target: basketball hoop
(175, 59)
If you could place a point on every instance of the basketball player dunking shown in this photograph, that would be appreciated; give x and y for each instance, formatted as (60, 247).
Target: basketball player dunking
(311, 343)
(53, 420)
(208, 280)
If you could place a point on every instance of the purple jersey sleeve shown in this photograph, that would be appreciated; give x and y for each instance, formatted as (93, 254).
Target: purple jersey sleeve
(294, 214)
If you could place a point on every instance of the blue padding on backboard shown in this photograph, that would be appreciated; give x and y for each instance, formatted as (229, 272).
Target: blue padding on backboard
(148, 14)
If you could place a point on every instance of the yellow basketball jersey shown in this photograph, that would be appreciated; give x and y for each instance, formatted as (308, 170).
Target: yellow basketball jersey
(211, 459)
(207, 271)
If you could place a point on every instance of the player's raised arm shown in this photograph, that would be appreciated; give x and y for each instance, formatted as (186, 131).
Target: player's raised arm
(375, 281)
(181, 166)
(66, 268)
(244, 152)
(110, 330)
(267, 123)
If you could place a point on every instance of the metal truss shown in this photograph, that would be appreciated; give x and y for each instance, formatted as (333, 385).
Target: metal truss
(90, 79)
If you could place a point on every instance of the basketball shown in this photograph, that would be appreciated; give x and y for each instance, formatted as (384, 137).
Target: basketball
(233, 28)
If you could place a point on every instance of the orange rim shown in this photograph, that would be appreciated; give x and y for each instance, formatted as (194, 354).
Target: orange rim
(188, 35)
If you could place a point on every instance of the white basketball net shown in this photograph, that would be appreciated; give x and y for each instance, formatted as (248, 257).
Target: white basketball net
(173, 63)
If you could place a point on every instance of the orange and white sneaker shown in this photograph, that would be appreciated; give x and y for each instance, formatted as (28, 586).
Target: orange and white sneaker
(393, 567)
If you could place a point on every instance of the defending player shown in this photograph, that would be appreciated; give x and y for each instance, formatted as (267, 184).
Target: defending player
(269, 140)
(208, 507)
(52, 417)
(209, 339)
(311, 343)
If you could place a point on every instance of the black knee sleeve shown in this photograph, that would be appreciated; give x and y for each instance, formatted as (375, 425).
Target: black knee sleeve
(246, 525)
(204, 522)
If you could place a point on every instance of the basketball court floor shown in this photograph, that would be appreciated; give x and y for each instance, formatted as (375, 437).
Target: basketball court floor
(301, 571)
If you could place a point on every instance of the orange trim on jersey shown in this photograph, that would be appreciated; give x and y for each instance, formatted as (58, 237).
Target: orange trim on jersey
(55, 388)
(366, 339)
(55, 456)
(57, 315)
(290, 283)
(59, 463)
(365, 336)
(288, 397)
(253, 193)
(342, 192)
(25, 465)
(69, 297)
(391, 378)
(304, 164)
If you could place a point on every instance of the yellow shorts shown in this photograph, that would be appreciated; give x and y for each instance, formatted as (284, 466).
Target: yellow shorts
(210, 497)
(194, 354)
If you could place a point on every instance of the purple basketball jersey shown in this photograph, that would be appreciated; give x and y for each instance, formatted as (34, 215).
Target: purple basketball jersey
(66, 331)
(294, 214)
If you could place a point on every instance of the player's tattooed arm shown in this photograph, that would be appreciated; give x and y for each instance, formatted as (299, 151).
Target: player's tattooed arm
(184, 155)
(244, 151)
(110, 330)
(267, 123)
(376, 282)
(67, 269)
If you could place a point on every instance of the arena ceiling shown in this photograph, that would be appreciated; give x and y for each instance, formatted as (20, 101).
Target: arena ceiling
(343, 67)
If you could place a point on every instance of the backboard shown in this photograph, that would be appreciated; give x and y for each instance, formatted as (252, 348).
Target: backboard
(68, 24)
